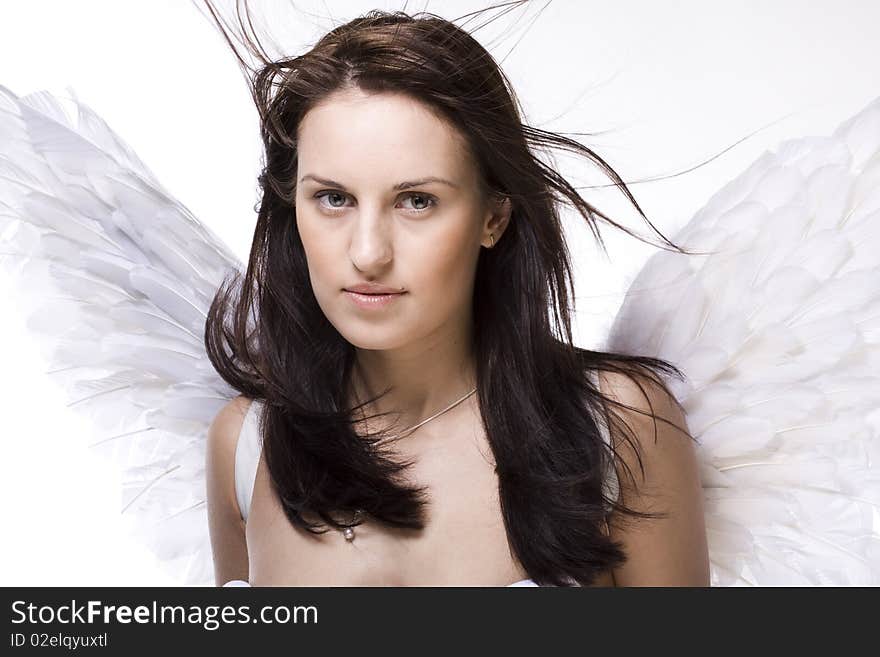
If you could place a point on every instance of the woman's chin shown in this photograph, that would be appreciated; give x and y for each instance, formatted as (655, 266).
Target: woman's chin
(374, 339)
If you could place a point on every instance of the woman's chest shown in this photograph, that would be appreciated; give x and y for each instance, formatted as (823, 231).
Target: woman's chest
(464, 541)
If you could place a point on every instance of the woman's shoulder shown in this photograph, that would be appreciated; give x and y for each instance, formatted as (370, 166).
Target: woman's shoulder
(658, 472)
(643, 392)
(655, 441)
(647, 425)
(225, 521)
(226, 426)
(233, 412)
(640, 398)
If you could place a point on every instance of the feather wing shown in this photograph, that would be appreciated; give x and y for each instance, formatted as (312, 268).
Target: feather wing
(115, 277)
(778, 333)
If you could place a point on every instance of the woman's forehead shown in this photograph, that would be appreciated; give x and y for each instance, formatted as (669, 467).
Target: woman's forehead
(353, 131)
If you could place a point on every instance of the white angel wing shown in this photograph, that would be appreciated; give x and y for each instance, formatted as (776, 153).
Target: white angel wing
(778, 332)
(117, 276)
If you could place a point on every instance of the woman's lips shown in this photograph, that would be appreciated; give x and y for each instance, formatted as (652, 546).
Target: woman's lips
(372, 301)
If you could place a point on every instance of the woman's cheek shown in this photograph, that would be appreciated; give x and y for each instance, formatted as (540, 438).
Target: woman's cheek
(450, 269)
(318, 247)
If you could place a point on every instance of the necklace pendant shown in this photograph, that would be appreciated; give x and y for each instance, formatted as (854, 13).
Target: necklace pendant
(348, 532)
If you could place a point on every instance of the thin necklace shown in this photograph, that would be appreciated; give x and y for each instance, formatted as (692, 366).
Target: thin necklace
(348, 532)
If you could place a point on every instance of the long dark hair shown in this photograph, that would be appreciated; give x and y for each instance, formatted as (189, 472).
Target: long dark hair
(268, 338)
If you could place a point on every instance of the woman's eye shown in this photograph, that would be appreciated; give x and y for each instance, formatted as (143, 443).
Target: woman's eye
(421, 202)
(332, 199)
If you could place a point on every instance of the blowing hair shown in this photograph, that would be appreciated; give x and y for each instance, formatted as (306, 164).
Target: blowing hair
(268, 338)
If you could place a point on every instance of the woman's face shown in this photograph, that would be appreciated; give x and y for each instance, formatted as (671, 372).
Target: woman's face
(387, 195)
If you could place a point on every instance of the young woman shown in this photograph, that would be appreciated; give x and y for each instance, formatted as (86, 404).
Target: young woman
(413, 410)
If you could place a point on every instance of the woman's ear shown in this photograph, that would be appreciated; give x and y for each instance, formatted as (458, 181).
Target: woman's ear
(496, 220)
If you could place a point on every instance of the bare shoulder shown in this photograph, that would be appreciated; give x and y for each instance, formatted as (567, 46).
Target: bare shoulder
(224, 429)
(645, 403)
(222, 440)
(658, 471)
(657, 445)
(226, 525)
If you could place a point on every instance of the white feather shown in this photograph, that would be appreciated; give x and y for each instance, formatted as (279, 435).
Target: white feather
(117, 276)
(778, 333)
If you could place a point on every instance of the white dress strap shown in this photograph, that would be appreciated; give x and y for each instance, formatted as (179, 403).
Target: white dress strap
(247, 457)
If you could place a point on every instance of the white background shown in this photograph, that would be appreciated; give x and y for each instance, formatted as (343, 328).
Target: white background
(668, 84)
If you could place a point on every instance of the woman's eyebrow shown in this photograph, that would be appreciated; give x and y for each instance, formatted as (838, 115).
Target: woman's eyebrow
(406, 184)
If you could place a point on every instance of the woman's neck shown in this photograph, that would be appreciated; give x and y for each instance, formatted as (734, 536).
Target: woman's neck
(425, 378)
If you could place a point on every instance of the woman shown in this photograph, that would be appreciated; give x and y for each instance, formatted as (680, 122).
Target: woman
(421, 419)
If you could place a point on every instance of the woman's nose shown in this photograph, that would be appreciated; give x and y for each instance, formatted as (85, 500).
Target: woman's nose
(370, 247)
